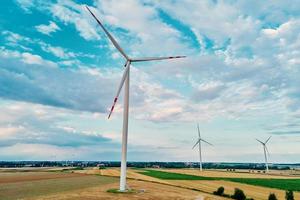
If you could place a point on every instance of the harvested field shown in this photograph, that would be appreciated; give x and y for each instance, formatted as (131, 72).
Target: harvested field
(34, 184)
(115, 172)
(13, 177)
(34, 169)
(78, 185)
(152, 191)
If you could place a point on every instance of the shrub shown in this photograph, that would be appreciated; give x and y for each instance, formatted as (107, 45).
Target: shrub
(289, 195)
(220, 191)
(238, 194)
(272, 196)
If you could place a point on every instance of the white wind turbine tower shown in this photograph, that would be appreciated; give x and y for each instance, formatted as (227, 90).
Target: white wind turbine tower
(199, 142)
(265, 152)
(125, 80)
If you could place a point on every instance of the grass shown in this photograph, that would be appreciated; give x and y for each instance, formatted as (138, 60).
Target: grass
(117, 191)
(172, 176)
(72, 169)
(283, 184)
(30, 189)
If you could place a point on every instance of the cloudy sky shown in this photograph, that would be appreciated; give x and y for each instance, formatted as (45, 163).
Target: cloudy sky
(240, 81)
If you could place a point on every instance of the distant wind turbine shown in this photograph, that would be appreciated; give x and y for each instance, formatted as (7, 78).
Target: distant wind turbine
(199, 142)
(265, 151)
(125, 80)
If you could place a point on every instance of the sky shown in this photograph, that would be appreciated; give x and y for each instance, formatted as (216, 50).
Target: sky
(59, 74)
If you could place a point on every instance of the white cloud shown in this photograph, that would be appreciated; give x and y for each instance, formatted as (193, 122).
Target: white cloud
(17, 40)
(72, 13)
(47, 29)
(7, 132)
(217, 21)
(26, 4)
(207, 90)
(39, 70)
(32, 59)
(36, 59)
(70, 62)
(26, 57)
(13, 37)
(57, 51)
(147, 32)
(14, 40)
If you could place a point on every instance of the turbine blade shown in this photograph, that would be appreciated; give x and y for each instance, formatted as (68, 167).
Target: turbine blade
(207, 142)
(198, 131)
(260, 141)
(156, 58)
(109, 35)
(268, 139)
(125, 74)
(196, 144)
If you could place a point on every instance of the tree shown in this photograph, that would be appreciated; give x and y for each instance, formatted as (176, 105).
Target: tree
(238, 194)
(272, 196)
(220, 191)
(289, 195)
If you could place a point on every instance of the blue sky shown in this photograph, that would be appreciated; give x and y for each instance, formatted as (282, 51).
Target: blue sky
(240, 81)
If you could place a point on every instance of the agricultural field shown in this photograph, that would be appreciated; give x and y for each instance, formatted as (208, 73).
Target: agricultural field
(278, 174)
(93, 183)
(284, 184)
(16, 185)
(87, 184)
(255, 186)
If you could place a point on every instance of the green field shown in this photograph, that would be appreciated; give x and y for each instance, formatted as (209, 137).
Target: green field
(172, 176)
(30, 189)
(283, 184)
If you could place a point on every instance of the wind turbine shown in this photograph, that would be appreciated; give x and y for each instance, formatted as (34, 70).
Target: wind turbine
(199, 142)
(265, 152)
(125, 80)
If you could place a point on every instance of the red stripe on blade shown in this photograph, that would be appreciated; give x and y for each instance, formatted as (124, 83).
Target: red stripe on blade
(112, 108)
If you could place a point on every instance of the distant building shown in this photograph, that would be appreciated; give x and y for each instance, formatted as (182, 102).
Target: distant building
(188, 164)
(101, 166)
